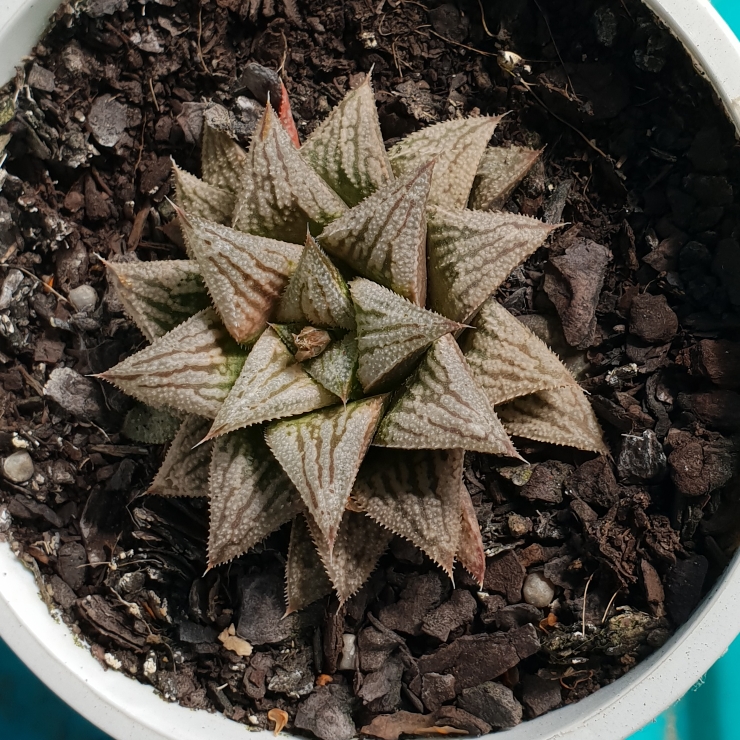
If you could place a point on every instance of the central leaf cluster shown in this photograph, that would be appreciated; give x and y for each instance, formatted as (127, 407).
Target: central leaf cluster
(333, 345)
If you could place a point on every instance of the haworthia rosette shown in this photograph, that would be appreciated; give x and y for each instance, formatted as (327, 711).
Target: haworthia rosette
(336, 367)
(470, 552)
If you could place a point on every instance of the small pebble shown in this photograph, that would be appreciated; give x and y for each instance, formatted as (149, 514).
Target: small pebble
(349, 651)
(537, 590)
(18, 467)
(83, 298)
(519, 525)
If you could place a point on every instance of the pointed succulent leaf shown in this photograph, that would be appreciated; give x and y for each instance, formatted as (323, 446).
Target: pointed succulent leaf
(322, 452)
(561, 417)
(347, 149)
(360, 543)
(281, 196)
(442, 408)
(507, 360)
(470, 552)
(250, 495)
(190, 369)
(306, 579)
(456, 146)
(416, 495)
(384, 238)
(391, 332)
(222, 160)
(499, 172)
(336, 367)
(316, 293)
(184, 471)
(472, 252)
(272, 385)
(159, 295)
(149, 425)
(245, 274)
(199, 198)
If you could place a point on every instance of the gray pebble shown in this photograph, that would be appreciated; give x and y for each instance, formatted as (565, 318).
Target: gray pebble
(83, 298)
(18, 467)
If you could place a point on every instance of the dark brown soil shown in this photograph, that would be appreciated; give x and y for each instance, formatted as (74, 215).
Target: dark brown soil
(643, 289)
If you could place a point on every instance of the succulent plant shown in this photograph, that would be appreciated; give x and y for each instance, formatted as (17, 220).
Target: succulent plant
(333, 343)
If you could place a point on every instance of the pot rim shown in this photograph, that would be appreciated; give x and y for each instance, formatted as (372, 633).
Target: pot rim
(128, 710)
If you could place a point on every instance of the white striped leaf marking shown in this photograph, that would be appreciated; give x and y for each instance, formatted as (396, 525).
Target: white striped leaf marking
(306, 579)
(360, 543)
(281, 196)
(316, 293)
(322, 452)
(184, 471)
(472, 252)
(441, 408)
(191, 368)
(560, 417)
(456, 147)
(392, 333)
(199, 198)
(222, 160)
(416, 495)
(272, 385)
(245, 274)
(507, 360)
(384, 237)
(499, 172)
(347, 148)
(159, 295)
(250, 495)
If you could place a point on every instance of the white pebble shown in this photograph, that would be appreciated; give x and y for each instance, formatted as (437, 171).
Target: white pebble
(349, 651)
(83, 298)
(537, 590)
(18, 467)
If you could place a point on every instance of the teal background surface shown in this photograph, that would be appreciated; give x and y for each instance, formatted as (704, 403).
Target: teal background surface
(710, 711)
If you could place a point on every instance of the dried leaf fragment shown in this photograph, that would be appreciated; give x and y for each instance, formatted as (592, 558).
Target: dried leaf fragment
(230, 641)
(280, 718)
(499, 172)
(392, 726)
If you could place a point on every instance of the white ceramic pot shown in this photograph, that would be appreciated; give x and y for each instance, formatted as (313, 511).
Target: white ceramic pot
(128, 710)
